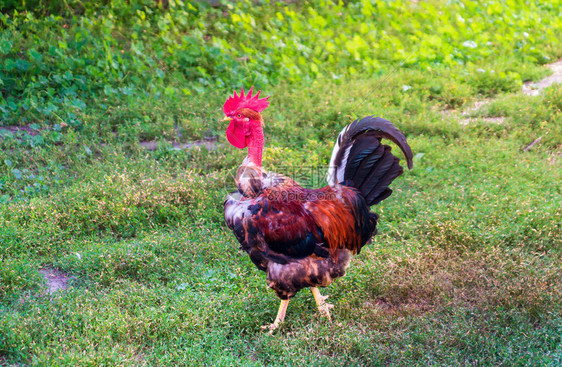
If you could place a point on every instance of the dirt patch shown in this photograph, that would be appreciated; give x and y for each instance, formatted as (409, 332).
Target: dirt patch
(529, 88)
(209, 143)
(534, 88)
(475, 107)
(16, 129)
(491, 120)
(56, 279)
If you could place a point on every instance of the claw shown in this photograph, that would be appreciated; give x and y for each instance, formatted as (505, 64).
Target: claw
(270, 327)
(323, 307)
(280, 317)
(325, 310)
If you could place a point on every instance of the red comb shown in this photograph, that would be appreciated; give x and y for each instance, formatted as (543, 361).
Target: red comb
(233, 103)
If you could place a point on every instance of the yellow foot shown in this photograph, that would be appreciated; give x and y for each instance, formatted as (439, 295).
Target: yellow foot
(270, 327)
(323, 306)
(280, 317)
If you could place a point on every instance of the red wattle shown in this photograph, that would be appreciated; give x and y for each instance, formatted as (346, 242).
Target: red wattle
(236, 135)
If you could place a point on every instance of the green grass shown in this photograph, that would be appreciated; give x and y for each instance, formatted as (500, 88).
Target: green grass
(466, 269)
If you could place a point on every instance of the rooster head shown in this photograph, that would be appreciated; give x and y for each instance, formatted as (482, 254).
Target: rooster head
(243, 112)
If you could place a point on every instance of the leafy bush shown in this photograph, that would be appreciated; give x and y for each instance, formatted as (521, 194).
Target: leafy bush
(60, 68)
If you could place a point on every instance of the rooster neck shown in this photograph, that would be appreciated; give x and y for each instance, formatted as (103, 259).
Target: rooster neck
(249, 175)
(255, 143)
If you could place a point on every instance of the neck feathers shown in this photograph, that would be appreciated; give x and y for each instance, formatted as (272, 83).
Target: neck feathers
(255, 144)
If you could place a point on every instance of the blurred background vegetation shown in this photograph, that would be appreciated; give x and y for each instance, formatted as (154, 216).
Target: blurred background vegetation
(66, 59)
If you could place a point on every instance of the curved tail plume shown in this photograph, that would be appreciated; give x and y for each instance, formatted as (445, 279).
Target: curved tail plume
(361, 161)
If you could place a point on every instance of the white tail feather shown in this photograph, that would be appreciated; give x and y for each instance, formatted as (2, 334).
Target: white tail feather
(335, 172)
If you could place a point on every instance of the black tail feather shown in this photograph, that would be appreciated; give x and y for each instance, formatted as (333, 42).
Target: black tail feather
(383, 129)
(378, 169)
(373, 149)
(378, 192)
(368, 165)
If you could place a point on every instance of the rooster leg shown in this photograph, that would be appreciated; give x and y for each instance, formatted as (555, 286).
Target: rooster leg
(280, 316)
(323, 306)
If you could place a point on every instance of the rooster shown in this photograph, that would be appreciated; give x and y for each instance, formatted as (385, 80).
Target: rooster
(304, 238)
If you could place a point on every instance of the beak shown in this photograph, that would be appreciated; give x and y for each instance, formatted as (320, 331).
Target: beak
(226, 118)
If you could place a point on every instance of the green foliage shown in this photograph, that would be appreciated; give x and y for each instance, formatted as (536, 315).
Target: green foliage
(139, 53)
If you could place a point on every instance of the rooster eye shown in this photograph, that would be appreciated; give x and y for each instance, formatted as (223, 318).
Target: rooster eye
(239, 116)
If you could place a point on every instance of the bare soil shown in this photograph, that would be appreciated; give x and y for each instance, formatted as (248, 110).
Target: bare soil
(56, 279)
(534, 88)
(210, 144)
(529, 88)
